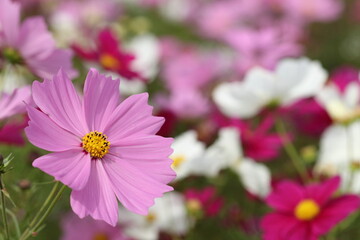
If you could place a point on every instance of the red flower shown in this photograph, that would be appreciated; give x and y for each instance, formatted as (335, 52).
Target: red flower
(110, 55)
(306, 212)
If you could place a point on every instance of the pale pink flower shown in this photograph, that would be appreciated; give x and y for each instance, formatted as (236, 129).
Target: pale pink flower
(311, 10)
(14, 103)
(261, 47)
(30, 43)
(75, 228)
(102, 150)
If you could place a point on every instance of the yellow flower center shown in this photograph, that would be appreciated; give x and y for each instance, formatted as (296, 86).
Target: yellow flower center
(194, 205)
(100, 236)
(109, 61)
(306, 210)
(96, 144)
(177, 161)
(150, 218)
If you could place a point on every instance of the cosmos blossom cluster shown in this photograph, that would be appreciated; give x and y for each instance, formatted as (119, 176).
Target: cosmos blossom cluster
(178, 119)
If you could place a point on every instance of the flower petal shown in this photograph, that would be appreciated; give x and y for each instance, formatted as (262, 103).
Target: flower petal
(71, 167)
(46, 134)
(59, 100)
(10, 21)
(35, 41)
(285, 196)
(134, 188)
(133, 117)
(323, 192)
(97, 198)
(334, 212)
(49, 66)
(147, 153)
(101, 97)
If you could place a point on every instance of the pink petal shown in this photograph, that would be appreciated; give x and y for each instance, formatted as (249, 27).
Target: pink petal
(10, 20)
(285, 196)
(59, 100)
(14, 103)
(322, 192)
(49, 66)
(71, 167)
(46, 134)
(133, 117)
(277, 225)
(135, 189)
(101, 97)
(35, 41)
(334, 212)
(97, 198)
(150, 154)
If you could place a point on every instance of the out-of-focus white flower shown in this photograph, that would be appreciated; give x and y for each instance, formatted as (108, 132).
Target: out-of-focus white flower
(342, 107)
(187, 149)
(292, 80)
(223, 153)
(176, 10)
(226, 152)
(169, 214)
(340, 154)
(255, 177)
(147, 55)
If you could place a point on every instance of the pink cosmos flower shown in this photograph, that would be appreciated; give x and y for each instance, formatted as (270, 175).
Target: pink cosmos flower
(206, 199)
(75, 228)
(342, 76)
(309, 117)
(310, 10)
(102, 150)
(12, 132)
(110, 55)
(306, 212)
(258, 142)
(30, 43)
(263, 47)
(11, 104)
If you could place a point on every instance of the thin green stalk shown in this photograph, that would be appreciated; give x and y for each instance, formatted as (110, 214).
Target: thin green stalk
(4, 209)
(16, 223)
(50, 208)
(48, 204)
(291, 151)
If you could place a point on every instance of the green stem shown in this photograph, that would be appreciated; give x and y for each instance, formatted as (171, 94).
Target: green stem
(16, 223)
(50, 208)
(4, 209)
(291, 151)
(41, 215)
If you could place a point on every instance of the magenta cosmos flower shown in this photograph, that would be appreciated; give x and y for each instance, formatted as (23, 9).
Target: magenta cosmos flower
(103, 150)
(306, 212)
(30, 43)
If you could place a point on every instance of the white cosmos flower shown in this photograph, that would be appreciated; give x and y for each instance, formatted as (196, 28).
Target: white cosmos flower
(169, 214)
(340, 154)
(255, 176)
(342, 107)
(147, 54)
(227, 152)
(292, 80)
(187, 149)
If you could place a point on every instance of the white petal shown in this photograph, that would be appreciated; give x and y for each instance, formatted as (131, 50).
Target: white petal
(234, 100)
(225, 152)
(334, 149)
(255, 177)
(299, 78)
(187, 147)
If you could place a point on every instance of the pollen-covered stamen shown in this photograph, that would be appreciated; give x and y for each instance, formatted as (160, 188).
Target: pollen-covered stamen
(96, 144)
